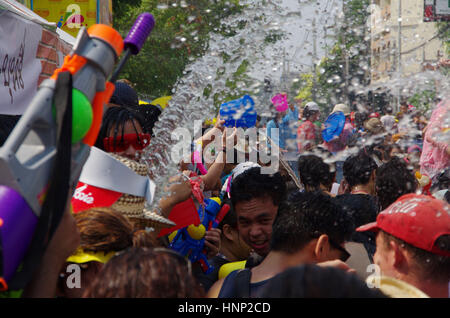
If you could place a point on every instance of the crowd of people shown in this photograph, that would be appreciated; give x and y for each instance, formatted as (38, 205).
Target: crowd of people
(355, 191)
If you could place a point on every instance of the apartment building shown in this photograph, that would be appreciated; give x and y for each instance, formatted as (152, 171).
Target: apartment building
(391, 28)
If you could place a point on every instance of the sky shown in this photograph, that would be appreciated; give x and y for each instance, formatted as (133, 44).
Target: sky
(298, 41)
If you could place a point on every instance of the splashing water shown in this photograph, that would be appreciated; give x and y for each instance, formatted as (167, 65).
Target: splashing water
(189, 103)
(197, 94)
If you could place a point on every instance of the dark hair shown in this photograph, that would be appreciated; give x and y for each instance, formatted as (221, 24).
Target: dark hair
(358, 168)
(145, 273)
(313, 171)
(7, 124)
(360, 118)
(393, 179)
(307, 216)
(392, 147)
(389, 110)
(433, 266)
(307, 112)
(109, 231)
(312, 281)
(150, 113)
(441, 180)
(116, 117)
(253, 184)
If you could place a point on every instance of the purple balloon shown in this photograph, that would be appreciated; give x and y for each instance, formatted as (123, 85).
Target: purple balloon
(139, 32)
(18, 223)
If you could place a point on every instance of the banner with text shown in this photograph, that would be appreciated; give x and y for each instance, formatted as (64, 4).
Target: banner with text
(19, 67)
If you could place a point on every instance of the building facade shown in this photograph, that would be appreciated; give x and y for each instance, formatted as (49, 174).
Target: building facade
(403, 31)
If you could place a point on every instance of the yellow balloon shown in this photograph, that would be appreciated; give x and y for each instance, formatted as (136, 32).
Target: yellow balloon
(196, 232)
(141, 102)
(161, 101)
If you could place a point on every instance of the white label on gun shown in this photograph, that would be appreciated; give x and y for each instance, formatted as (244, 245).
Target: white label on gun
(86, 198)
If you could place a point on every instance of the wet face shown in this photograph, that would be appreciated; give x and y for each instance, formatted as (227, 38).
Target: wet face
(255, 219)
(130, 152)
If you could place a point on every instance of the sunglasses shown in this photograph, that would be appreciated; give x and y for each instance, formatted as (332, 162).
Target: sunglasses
(119, 144)
(345, 254)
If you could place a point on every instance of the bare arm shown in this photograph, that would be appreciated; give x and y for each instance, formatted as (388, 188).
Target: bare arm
(215, 171)
(63, 243)
(215, 289)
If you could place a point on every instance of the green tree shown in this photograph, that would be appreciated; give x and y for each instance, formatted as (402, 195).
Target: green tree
(180, 35)
(351, 48)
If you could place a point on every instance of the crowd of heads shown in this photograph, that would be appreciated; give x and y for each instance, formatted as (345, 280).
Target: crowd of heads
(291, 231)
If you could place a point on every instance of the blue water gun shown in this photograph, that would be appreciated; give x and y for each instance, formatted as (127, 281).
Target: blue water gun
(190, 241)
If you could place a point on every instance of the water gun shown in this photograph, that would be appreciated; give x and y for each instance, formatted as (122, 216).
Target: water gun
(43, 156)
(189, 241)
(239, 112)
(424, 182)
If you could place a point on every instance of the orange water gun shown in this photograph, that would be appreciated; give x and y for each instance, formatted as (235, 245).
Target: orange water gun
(42, 158)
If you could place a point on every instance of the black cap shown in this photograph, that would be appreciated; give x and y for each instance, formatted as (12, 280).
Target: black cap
(124, 95)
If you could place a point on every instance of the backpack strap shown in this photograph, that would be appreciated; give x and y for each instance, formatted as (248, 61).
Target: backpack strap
(242, 283)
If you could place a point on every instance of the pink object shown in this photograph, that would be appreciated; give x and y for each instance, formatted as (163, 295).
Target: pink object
(434, 156)
(197, 189)
(197, 160)
(280, 102)
(197, 186)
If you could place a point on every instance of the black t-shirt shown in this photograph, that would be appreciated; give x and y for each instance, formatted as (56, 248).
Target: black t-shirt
(362, 209)
(236, 285)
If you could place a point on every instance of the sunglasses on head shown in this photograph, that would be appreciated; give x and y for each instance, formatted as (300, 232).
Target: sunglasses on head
(345, 255)
(119, 144)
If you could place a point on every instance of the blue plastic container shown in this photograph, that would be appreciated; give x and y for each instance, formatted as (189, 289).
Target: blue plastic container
(239, 112)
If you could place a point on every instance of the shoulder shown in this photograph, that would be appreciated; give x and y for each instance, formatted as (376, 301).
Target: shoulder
(214, 291)
(224, 287)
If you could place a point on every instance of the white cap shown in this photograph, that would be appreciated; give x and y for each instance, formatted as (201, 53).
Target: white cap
(341, 108)
(312, 106)
(242, 167)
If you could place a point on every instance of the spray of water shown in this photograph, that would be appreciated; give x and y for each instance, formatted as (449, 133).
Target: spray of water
(196, 94)
(211, 71)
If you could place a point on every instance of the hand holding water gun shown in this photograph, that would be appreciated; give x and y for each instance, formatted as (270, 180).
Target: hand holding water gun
(190, 240)
(44, 155)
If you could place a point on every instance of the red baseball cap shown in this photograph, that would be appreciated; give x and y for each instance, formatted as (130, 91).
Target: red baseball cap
(416, 219)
